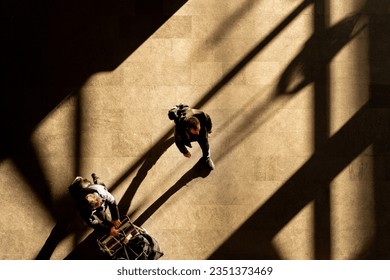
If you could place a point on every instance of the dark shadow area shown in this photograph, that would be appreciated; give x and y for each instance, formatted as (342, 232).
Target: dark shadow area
(150, 160)
(324, 54)
(66, 224)
(379, 55)
(48, 50)
(255, 51)
(332, 155)
(319, 50)
(88, 249)
(330, 42)
(253, 240)
(199, 170)
(227, 25)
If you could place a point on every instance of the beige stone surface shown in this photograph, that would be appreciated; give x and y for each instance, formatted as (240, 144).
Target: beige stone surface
(299, 174)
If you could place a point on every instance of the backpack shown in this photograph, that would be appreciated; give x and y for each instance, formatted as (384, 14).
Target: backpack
(178, 112)
(77, 192)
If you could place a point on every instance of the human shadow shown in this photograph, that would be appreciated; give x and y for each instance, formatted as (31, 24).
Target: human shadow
(88, 248)
(67, 223)
(49, 50)
(150, 159)
(200, 169)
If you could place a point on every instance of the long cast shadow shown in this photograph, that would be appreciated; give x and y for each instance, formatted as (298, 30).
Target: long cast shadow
(342, 33)
(150, 160)
(323, 51)
(303, 187)
(379, 34)
(254, 52)
(319, 50)
(200, 169)
(49, 49)
(236, 69)
(217, 87)
(230, 75)
(88, 249)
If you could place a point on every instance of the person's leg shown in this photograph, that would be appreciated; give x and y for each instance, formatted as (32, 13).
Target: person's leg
(204, 145)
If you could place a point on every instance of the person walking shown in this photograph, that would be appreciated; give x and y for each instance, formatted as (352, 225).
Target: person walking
(192, 125)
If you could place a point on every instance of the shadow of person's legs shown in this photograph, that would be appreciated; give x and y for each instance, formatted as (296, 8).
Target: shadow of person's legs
(150, 160)
(200, 169)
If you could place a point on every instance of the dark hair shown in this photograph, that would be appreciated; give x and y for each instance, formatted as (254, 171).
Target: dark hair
(192, 122)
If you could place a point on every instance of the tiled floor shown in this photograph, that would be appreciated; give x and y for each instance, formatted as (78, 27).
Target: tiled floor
(298, 92)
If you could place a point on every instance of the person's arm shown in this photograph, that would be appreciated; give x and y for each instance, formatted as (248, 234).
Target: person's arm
(205, 120)
(114, 210)
(180, 142)
(113, 206)
(94, 222)
(182, 148)
(209, 124)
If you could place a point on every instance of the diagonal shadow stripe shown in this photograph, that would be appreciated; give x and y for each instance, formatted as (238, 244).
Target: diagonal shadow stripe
(255, 51)
(200, 169)
(228, 77)
(51, 56)
(253, 239)
(144, 159)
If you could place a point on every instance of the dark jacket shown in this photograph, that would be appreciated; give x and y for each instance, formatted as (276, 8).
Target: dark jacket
(184, 138)
(97, 218)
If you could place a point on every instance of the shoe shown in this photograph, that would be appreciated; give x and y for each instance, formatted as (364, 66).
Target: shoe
(210, 163)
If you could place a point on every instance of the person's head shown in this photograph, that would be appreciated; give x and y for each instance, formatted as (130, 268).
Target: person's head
(94, 200)
(193, 125)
